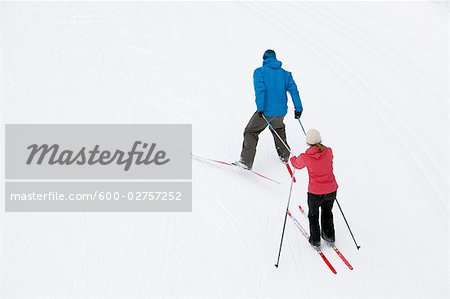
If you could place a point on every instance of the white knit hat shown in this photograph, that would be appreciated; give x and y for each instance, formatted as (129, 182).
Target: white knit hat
(313, 137)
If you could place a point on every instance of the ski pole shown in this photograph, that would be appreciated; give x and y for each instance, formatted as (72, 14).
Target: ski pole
(300, 122)
(287, 164)
(273, 130)
(357, 246)
(285, 217)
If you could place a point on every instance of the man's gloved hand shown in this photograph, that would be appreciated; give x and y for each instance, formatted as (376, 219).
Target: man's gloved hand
(260, 113)
(297, 114)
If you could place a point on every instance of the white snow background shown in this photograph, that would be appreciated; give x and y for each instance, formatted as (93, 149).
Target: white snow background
(373, 78)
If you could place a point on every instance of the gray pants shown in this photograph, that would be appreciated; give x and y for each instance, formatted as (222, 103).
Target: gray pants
(255, 126)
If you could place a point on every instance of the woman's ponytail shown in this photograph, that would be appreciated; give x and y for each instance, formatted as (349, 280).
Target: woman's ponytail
(320, 147)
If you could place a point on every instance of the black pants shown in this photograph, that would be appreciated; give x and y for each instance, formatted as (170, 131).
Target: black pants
(254, 127)
(325, 202)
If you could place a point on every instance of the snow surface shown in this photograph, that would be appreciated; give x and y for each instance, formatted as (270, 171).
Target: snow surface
(373, 78)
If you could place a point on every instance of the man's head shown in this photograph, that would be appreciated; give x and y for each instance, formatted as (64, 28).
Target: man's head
(269, 53)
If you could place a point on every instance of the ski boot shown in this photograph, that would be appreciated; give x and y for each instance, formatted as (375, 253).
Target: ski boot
(330, 241)
(315, 245)
(285, 160)
(241, 165)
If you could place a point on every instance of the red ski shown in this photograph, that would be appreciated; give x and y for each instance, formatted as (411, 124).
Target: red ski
(230, 164)
(332, 245)
(290, 172)
(303, 231)
(342, 257)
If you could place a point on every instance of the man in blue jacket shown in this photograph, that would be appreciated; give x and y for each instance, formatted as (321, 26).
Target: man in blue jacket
(271, 83)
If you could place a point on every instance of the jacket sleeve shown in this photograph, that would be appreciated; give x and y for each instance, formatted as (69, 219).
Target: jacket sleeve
(292, 88)
(260, 89)
(298, 162)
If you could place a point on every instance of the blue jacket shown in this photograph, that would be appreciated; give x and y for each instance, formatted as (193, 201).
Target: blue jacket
(271, 83)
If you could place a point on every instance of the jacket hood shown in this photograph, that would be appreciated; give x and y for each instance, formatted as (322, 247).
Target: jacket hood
(272, 62)
(314, 153)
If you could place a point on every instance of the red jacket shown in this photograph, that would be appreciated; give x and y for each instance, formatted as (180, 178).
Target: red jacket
(320, 169)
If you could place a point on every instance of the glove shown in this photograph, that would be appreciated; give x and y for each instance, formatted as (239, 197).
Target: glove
(260, 113)
(297, 114)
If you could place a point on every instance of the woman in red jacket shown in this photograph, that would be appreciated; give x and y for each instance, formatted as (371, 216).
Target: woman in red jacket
(322, 187)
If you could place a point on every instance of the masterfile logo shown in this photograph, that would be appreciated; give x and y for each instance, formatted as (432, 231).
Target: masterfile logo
(98, 151)
(98, 167)
(91, 157)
